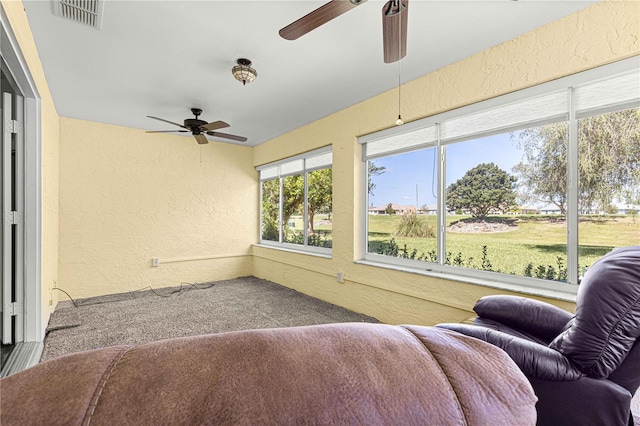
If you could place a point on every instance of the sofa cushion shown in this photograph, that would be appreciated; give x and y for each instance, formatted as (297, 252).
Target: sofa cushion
(370, 374)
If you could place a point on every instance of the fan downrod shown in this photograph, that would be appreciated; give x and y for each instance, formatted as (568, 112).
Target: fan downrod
(196, 111)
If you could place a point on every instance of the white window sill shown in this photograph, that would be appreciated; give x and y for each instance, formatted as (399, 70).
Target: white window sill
(318, 252)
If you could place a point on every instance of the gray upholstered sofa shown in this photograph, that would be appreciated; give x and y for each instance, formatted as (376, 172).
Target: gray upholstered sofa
(368, 374)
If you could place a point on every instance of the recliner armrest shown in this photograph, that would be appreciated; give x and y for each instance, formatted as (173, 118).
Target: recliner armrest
(529, 315)
(535, 360)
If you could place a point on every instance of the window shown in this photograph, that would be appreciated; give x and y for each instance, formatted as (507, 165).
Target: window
(491, 223)
(296, 202)
(402, 205)
(529, 188)
(608, 189)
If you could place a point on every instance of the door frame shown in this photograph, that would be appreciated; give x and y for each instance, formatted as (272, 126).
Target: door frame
(12, 211)
(32, 321)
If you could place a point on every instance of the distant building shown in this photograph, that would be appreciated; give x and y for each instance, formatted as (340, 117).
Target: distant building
(624, 208)
(528, 210)
(550, 209)
(428, 209)
(397, 209)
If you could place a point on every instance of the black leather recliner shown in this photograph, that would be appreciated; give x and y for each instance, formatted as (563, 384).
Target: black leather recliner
(584, 368)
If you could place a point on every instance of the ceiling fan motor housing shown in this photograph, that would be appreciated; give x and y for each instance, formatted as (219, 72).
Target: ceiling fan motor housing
(194, 123)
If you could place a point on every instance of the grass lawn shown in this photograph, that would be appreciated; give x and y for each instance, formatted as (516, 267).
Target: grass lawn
(535, 239)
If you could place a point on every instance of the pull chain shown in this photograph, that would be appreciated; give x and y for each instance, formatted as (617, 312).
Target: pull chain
(399, 121)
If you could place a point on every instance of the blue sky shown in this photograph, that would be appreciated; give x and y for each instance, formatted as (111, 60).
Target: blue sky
(404, 171)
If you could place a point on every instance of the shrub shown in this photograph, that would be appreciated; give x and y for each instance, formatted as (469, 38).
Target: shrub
(547, 272)
(412, 225)
(318, 239)
(485, 262)
(611, 209)
(392, 249)
(269, 229)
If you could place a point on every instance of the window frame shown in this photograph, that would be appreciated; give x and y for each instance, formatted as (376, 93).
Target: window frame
(566, 290)
(277, 166)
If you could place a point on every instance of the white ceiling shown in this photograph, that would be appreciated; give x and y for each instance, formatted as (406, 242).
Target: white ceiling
(161, 58)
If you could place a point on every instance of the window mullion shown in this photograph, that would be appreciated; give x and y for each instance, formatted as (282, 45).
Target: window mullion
(280, 213)
(572, 192)
(442, 201)
(364, 238)
(305, 210)
(261, 227)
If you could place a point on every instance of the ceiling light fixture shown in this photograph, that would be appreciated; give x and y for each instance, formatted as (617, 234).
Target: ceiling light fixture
(399, 121)
(243, 71)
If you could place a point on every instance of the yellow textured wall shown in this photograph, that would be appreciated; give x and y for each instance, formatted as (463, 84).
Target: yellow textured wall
(604, 33)
(127, 196)
(50, 148)
(118, 197)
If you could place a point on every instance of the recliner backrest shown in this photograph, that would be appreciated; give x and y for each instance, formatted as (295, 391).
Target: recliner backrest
(607, 320)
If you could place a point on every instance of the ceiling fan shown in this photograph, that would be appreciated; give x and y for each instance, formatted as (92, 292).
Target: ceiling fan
(394, 24)
(199, 128)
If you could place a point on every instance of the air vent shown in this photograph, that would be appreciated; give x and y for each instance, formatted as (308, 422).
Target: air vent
(87, 12)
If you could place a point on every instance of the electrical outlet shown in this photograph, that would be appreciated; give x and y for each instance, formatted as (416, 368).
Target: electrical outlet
(155, 261)
(340, 277)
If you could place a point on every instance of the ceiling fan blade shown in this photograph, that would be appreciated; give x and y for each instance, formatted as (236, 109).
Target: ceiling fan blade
(166, 131)
(394, 30)
(215, 125)
(318, 17)
(202, 139)
(166, 121)
(227, 136)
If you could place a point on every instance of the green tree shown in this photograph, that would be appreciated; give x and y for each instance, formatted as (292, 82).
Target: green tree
(609, 158)
(483, 188)
(292, 197)
(373, 170)
(320, 198)
(389, 209)
(270, 209)
(542, 176)
(608, 166)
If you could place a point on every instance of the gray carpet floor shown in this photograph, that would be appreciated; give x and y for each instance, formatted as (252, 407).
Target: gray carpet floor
(144, 316)
(191, 309)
